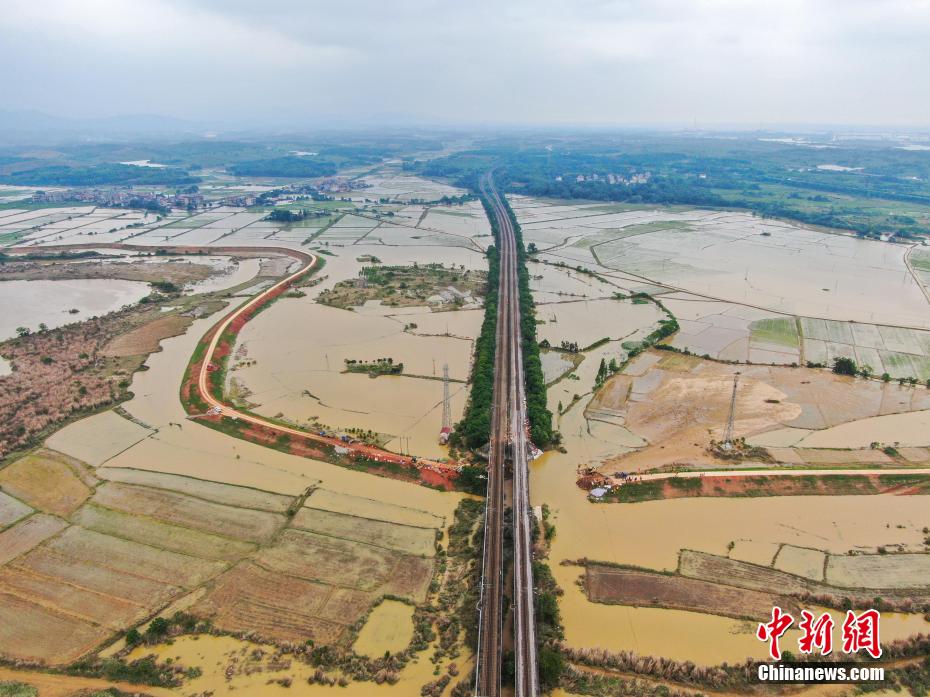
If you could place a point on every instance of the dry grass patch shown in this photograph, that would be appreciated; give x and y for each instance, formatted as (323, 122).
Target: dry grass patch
(403, 538)
(162, 535)
(27, 535)
(604, 584)
(190, 512)
(29, 632)
(217, 492)
(46, 480)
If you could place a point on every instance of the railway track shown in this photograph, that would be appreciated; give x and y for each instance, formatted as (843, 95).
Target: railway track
(508, 443)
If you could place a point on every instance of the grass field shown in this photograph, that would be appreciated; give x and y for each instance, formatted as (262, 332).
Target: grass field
(781, 331)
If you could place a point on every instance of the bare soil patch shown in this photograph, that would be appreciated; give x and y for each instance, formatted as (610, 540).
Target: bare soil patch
(146, 339)
(678, 404)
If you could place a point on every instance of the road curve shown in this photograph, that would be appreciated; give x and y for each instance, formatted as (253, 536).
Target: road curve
(203, 385)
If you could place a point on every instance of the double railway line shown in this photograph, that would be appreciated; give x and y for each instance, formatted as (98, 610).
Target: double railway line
(508, 445)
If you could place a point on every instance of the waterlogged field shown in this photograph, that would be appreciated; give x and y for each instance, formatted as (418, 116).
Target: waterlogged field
(732, 257)
(125, 515)
(757, 296)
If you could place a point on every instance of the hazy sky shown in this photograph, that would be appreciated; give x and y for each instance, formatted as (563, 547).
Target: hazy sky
(752, 62)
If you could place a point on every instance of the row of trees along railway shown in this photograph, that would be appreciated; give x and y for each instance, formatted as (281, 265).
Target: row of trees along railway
(507, 410)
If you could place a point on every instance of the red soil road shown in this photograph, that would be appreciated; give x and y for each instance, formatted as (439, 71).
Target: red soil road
(236, 319)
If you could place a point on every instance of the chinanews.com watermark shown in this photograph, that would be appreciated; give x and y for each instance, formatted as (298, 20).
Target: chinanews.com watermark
(859, 633)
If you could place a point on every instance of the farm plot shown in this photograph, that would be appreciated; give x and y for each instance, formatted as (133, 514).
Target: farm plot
(48, 481)
(879, 571)
(89, 575)
(348, 564)
(127, 557)
(27, 534)
(801, 561)
(84, 604)
(241, 496)
(899, 351)
(187, 511)
(53, 637)
(11, 510)
(335, 501)
(328, 560)
(162, 535)
(605, 584)
(734, 257)
(97, 438)
(403, 538)
(586, 322)
(716, 569)
(249, 598)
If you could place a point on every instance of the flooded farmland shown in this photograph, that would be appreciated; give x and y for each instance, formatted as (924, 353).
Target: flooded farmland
(31, 303)
(663, 408)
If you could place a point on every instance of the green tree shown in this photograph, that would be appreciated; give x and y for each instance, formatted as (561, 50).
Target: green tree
(845, 366)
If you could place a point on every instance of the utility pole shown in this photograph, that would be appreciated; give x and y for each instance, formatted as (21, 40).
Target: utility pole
(728, 437)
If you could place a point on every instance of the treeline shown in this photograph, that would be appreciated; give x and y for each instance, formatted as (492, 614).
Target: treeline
(98, 175)
(537, 412)
(771, 179)
(474, 430)
(290, 166)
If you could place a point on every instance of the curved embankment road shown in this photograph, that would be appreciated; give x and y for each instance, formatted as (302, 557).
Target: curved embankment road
(203, 382)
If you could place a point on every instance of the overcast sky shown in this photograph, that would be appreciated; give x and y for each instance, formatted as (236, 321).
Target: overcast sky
(361, 62)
